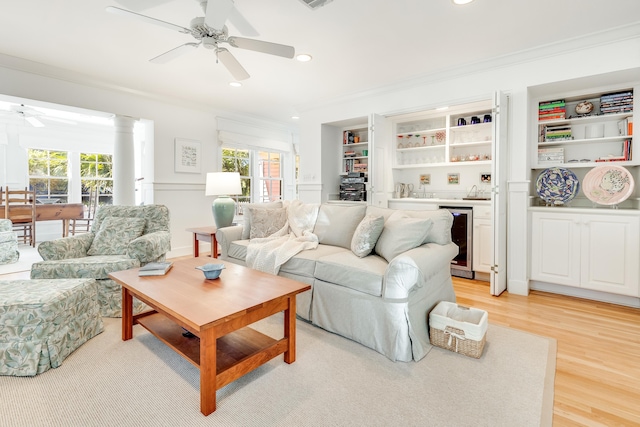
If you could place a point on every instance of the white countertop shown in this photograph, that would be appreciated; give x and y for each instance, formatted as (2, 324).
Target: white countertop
(439, 201)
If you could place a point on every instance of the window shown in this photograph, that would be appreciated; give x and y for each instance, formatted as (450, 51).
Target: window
(260, 173)
(237, 160)
(269, 177)
(96, 172)
(48, 174)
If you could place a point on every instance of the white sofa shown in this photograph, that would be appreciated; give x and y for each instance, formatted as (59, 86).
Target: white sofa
(380, 303)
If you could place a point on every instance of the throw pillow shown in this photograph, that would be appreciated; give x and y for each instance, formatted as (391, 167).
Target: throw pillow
(336, 224)
(246, 215)
(115, 234)
(442, 221)
(400, 234)
(265, 222)
(366, 235)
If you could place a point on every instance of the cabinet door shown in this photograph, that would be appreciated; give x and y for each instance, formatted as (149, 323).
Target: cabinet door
(610, 254)
(555, 247)
(482, 245)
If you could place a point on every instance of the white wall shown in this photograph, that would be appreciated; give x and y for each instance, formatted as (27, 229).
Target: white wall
(183, 193)
(600, 54)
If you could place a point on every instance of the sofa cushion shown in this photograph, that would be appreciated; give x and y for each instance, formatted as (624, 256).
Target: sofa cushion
(348, 270)
(366, 235)
(304, 263)
(442, 221)
(238, 249)
(246, 214)
(265, 222)
(336, 224)
(402, 233)
(115, 234)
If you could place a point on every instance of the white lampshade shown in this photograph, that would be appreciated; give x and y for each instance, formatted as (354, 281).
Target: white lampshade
(223, 184)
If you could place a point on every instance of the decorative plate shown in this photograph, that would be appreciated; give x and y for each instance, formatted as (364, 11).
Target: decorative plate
(557, 186)
(608, 184)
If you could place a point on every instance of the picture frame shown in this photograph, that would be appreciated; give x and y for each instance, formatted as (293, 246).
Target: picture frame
(453, 178)
(187, 156)
(485, 178)
(425, 179)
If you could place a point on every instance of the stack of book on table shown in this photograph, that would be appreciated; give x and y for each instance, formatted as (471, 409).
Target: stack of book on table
(155, 268)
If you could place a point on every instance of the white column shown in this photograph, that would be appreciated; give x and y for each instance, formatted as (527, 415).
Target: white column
(124, 183)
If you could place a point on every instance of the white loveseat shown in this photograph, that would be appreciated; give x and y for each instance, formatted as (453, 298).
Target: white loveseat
(378, 302)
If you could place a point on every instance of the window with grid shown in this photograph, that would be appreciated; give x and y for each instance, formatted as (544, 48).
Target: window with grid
(239, 160)
(96, 172)
(269, 177)
(48, 174)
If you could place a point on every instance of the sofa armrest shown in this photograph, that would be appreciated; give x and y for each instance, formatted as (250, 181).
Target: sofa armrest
(66, 248)
(416, 267)
(225, 236)
(150, 247)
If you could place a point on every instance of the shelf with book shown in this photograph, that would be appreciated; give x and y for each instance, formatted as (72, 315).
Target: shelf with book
(585, 130)
(355, 150)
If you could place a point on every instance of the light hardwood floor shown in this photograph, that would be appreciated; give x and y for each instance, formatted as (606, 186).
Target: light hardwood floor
(597, 379)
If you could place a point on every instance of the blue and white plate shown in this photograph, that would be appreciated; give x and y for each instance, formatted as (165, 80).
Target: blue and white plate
(557, 186)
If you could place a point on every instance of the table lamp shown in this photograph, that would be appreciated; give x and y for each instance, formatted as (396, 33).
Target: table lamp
(223, 184)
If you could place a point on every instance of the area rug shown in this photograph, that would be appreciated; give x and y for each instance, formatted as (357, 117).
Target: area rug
(28, 255)
(333, 382)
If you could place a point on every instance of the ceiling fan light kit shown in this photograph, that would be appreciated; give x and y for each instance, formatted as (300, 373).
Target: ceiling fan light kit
(211, 31)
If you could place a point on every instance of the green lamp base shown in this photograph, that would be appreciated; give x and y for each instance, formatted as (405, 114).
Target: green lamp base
(223, 208)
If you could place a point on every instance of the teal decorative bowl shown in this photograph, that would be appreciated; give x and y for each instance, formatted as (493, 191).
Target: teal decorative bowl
(211, 271)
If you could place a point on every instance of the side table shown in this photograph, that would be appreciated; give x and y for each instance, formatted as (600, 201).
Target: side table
(204, 234)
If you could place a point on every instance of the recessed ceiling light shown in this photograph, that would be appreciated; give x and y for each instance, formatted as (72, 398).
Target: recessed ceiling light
(295, 117)
(461, 1)
(303, 57)
(442, 108)
(235, 84)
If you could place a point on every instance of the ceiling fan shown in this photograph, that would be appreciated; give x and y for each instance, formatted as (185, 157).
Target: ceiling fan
(211, 32)
(30, 115)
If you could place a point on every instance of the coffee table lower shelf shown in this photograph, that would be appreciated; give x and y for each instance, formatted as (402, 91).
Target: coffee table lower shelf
(237, 353)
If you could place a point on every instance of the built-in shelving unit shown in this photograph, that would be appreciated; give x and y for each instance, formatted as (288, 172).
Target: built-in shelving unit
(463, 136)
(355, 150)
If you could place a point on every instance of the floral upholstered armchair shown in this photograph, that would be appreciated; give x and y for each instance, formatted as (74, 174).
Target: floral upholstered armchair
(8, 243)
(121, 237)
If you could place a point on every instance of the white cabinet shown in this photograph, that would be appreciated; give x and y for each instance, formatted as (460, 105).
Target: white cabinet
(462, 135)
(482, 239)
(592, 251)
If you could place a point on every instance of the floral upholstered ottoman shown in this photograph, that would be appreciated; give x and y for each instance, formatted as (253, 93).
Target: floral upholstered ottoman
(8, 243)
(43, 321)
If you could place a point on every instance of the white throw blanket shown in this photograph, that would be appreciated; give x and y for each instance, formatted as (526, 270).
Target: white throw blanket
(269, 253)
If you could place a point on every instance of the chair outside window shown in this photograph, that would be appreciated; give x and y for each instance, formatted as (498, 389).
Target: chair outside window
(83, 225)
(20, 208)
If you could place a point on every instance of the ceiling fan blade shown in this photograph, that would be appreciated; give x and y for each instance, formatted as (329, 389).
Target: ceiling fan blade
(261, 46)
(217, 13)
(241, 23)
(34, 122)
(139, 5)
(147, 19)
(232, 64)
(174, 53)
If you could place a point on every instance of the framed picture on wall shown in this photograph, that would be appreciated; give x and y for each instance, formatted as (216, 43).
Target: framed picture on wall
(453, 178)
(485, 178)
(188, 157)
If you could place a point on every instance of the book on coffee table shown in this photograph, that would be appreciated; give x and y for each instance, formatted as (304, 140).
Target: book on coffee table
(155, 269)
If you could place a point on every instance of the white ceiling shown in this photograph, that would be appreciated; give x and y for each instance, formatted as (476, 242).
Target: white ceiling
(357, 45)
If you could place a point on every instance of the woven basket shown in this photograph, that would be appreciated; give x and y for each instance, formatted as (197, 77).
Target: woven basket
(448, 339)
(459, 329)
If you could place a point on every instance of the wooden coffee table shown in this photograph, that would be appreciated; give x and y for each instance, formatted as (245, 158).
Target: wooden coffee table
(217, 312)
